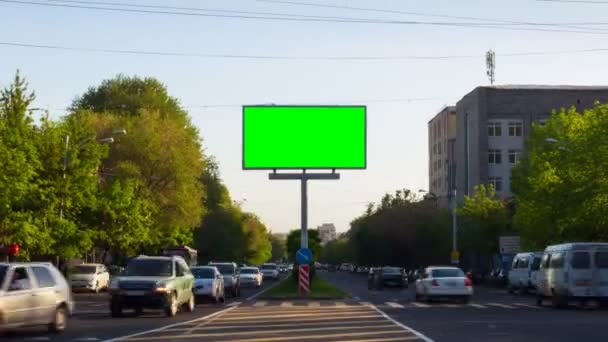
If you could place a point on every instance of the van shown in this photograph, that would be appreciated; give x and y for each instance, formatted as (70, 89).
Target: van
(524, 272)
(573, 271)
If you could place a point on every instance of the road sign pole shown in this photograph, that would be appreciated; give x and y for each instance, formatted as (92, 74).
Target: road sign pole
(304, 226)
(304, 279)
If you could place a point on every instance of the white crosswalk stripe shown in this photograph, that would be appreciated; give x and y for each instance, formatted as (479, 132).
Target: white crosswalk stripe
(235, 303)
(477, 306)
(504, 306)
(395, 305)
(314, 304)
(286, 304)
(420, 305)
(366, 303)
(340, 304)
(260, 304)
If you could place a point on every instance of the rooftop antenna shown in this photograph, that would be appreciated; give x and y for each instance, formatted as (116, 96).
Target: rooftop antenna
(490, 65)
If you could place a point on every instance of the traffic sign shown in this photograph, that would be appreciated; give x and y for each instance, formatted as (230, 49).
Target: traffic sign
(304, 279)
(455, 256)
(304, 256)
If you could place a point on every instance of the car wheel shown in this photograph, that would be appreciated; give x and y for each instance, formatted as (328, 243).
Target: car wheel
(171, 306)
(417, 297)
(466, 300)
(139, 311)
(189, 306)
(60, 320)
(539, 300)
(115, 309)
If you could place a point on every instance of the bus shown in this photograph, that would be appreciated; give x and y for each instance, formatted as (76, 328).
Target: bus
(189, 254)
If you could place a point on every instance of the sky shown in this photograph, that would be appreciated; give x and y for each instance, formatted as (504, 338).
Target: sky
(401, 95)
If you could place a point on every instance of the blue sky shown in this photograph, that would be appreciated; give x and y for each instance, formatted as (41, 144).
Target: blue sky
(397, 134)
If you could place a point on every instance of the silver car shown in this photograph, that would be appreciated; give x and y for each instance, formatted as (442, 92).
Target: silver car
(34, 294)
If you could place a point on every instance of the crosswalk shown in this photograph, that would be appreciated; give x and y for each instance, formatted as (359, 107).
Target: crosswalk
(396, 305)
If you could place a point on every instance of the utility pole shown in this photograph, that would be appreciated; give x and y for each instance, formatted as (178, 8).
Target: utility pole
(490, 65)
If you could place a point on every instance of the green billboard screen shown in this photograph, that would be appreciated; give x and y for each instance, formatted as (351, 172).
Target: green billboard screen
(304, 137)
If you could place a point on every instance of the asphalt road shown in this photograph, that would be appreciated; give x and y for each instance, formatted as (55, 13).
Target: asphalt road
(492, 315)
(92, 322)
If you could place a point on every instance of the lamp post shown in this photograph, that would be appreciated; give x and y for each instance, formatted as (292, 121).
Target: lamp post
(455, 255)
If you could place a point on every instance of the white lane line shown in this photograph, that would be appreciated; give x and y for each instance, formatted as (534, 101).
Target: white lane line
(405, 327)
(340, 304)
(530, 306)
(478, 306)
(314, 304)
(504, 306)
(420, 305)
(286, 304)
(255, 295)
(394, 305)
(366, 303)
(260, 304)
(235, 303)
(121, 338)
(446, 305)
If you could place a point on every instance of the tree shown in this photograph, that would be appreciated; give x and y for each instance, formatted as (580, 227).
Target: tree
(483, 218)
(279, 247)
(337, 251)
(314, 243)
(257, 248)
(561, 183)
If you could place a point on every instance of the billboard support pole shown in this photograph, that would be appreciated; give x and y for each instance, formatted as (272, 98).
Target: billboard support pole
(303, 178)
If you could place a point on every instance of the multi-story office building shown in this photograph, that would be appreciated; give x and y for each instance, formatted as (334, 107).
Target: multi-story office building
(327, 232)
(442, 138)
(493, 122)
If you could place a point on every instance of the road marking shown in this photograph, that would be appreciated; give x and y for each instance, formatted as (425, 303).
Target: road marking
(446, 305)
(405, 327)
(366, 303)
(121, 338)
(478, 306)
(314, 304)
(394, 305)
(235, 303)
(286, 304)
(86, 339)
(255, 295)
(527, 305)
(504, 306)
(340, 304)
(260, 303)
(420, 305)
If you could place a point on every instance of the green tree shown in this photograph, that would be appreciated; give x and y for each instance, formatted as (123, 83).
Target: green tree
(258, 247)
(561, 183)
(314, 243)
(337, 251)
(279, 247)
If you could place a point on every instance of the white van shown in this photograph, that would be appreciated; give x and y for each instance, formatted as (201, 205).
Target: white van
(524, 271)
(573, 271)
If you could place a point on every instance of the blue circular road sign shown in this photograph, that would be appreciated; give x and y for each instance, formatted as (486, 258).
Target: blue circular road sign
(304, 256)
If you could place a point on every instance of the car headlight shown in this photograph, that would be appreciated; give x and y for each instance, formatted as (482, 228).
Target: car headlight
(162, 287)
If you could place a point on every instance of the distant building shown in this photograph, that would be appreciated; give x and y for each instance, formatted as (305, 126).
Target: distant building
(442, 165)
(327, 232)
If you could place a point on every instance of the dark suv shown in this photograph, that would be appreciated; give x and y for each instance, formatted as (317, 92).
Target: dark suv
(153, 282)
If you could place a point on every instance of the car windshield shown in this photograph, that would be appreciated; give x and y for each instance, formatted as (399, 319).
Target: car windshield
(3, 270)
(249, 271)
(269, 267)
(447, 273)
(203, 273)
(225, 269)
(391, 270)
(82, 269)
(149, 268)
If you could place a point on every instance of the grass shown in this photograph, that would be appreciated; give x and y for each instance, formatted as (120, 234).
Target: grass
(288, 289)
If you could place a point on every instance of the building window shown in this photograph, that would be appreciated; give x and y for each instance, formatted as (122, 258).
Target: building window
(494, 157)
(439, 148)
(516, 129)
(514, 156)
(494, 129)
(439, 164)
(496, 182)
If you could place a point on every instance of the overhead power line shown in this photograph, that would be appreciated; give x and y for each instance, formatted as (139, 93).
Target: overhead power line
(293, 58)
(300, 18)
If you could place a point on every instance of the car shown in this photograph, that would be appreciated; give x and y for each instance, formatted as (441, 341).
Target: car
(34, 294)
(345, 267)
(230, 272)
(270, 271)
(89, 277)
(524, 271)
(153, 282)
(444, 282)
(208, 283)
(393, 277)
(251, 276)
(573, 271)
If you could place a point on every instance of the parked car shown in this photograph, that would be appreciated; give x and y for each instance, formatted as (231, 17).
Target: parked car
(393, 277)
(251, 276)
(270, 271)
(573, 271)
(89, 277)
(34, 294)
(444, 282)
(331, 268)
(230, 272)
(155, 282)
(345, 267)
(208, 283)
(524, 271)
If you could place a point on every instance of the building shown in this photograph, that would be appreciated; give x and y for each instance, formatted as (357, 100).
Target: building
(442, 138)
(327, 232)
(493, 122)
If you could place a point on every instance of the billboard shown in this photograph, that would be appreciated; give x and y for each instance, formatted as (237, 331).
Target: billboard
(304, 137)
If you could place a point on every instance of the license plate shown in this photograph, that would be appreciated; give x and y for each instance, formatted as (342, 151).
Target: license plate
(135, 293)
(450, 283)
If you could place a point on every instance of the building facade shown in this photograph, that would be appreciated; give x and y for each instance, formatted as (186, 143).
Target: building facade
(493, 122)
(442, 162)
(327, 232)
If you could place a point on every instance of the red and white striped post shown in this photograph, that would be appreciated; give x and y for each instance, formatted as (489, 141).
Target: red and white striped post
(304, 279)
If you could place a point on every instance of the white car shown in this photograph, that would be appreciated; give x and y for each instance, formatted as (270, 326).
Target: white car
(270, 271)
(89, 277)
(208, 283)
(251, 276)
(444, 282)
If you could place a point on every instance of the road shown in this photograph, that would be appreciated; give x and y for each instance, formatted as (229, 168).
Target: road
(492, 315)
